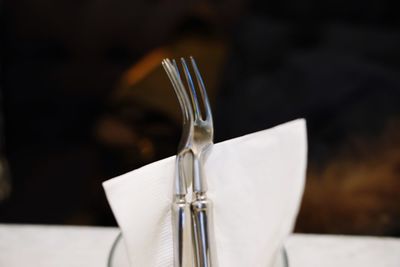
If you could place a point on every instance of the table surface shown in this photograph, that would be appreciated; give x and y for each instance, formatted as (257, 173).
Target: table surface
(70, 246)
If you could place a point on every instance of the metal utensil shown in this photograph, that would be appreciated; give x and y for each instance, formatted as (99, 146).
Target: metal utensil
(197, 139)
(181, 218)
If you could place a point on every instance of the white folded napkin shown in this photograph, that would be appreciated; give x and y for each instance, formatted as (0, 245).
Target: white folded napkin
(255, 182)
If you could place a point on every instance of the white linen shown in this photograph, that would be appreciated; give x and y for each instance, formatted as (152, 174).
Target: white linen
(255, 182)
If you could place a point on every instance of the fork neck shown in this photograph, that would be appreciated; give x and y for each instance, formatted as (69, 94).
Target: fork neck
(199, 180)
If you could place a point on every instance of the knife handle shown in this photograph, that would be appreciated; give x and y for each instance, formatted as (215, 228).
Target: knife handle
(181, 230)
(203, 232)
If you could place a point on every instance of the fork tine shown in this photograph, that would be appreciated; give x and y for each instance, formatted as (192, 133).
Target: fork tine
(176, 68)
(182, 91)
(192, 90)
(186, 100)
(203, 91)
(173, 74)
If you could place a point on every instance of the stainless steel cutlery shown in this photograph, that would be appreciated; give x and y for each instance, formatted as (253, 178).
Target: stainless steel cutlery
(194, 243)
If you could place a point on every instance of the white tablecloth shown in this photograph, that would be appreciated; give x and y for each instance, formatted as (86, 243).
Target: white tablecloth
(69, 246)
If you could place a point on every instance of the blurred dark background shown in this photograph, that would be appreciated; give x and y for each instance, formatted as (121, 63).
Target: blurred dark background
(84, 98)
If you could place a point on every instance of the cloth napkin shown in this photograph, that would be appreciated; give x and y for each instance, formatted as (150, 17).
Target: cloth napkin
(255, 182)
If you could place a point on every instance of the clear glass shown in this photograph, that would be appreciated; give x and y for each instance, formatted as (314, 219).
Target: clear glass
(118, 257)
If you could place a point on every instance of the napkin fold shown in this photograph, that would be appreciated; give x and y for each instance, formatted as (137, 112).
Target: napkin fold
(255, 182)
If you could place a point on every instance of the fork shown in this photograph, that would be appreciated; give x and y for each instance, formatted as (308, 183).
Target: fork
(181, 218)
(196, 141)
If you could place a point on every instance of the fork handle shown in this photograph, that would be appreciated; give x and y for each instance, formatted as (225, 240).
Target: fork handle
(181, 230)
(203, 232)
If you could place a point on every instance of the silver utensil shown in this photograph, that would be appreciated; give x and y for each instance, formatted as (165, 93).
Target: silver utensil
(181, 218)
(196, 141)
